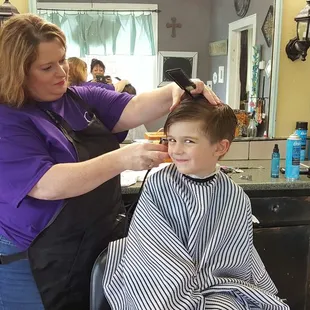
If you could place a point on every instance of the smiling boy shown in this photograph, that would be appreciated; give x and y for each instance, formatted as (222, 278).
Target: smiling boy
(198, 135)
(190, 243)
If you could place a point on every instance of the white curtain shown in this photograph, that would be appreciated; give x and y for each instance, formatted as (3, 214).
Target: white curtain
(105, 32)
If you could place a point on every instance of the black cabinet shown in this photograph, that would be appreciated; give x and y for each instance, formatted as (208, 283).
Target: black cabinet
(284, 251)
(282, 239)
(282, 211)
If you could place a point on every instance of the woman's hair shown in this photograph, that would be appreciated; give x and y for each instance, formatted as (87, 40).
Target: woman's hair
(95, 62)
(77, 71)
(20, 37)
(218, 122)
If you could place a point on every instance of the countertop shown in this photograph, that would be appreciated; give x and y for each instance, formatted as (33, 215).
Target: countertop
(261, 180)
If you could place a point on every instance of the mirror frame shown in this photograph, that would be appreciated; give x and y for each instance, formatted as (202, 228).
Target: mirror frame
(273, 94)
(275, 68)
(234, 50)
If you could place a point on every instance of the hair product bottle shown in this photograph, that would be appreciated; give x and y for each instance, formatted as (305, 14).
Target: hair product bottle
(301, 131)
(275, 162)
(292, 161)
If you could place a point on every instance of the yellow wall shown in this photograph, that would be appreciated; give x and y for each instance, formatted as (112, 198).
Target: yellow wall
(21, 5)
(294, 77)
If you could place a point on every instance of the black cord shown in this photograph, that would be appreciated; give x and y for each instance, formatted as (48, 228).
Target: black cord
(133, 205)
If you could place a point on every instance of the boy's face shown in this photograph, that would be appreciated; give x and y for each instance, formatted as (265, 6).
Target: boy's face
(191, 150)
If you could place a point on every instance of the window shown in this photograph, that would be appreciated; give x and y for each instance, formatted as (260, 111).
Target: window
(126, 41)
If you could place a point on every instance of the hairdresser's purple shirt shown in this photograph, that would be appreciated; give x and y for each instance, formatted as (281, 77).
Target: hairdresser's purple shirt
(30, 144)
(101, 85)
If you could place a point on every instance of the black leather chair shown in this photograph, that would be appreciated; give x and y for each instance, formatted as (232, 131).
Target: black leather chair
(97, 297)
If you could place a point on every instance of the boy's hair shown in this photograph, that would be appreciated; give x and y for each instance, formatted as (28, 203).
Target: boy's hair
(218, 122)
(77, 71)
(129, 89)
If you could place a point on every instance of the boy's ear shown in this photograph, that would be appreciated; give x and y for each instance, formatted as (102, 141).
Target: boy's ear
(222, 148)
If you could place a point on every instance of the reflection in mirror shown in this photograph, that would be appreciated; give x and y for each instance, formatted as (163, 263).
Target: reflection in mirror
(240, 83)
(250, 86)
(244, 72)
(250, 48)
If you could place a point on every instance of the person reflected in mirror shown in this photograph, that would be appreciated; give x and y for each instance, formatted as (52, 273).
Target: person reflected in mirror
(97, 69)
(78, 76)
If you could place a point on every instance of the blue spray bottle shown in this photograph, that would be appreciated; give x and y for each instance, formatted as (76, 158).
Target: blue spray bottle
(275, 162)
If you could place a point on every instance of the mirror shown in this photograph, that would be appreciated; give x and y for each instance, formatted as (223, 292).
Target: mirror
(216, 18)
(242, 50)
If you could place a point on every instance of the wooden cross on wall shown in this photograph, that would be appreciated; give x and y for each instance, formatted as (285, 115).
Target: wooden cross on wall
(173, 25)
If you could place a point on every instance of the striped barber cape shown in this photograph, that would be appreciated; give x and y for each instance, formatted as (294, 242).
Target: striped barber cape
(189, 246)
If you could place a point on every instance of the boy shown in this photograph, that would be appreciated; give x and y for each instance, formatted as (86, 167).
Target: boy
(190, 243)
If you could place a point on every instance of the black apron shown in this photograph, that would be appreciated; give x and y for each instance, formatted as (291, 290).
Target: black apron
(63, 254)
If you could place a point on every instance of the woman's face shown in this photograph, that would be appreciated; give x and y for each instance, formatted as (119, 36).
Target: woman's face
(97, 70)
(48, 74)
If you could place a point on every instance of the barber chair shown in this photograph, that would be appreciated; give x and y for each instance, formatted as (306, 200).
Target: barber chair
(97, 297)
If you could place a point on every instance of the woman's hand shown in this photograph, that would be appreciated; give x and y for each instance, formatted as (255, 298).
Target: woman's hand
(89, 174)
(142, 156)
(201, 88)
(120, 85)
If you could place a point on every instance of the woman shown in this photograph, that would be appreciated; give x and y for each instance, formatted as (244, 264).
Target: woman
(60, 198)
(77, 71)
(78, 75)
(98, 68)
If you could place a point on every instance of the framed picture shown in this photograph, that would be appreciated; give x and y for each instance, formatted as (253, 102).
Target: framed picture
(267, 27)
(187, 61)
(218, 48)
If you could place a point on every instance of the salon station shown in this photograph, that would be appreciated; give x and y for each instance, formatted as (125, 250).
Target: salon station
(253, 55)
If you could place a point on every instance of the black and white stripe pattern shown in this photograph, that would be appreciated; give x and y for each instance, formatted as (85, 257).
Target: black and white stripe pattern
(190, 246)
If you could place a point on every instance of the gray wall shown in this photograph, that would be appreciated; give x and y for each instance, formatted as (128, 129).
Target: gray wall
(223, 13)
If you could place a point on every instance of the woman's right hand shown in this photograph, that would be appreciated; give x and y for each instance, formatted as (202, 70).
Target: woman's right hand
(143, 156)
(120, 85)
